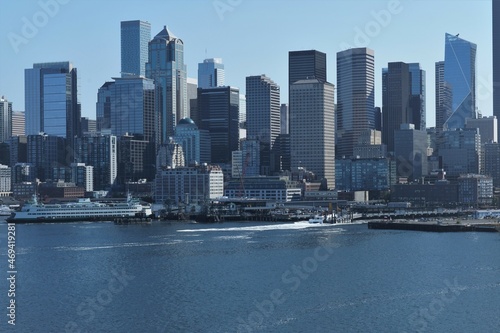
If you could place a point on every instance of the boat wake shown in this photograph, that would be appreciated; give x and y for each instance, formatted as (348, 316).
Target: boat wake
(285, 226)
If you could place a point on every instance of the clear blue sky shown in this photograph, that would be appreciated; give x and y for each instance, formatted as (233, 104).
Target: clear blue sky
(251, 36)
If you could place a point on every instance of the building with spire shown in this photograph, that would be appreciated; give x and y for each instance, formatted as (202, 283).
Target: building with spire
(460, 76)
(166, 67)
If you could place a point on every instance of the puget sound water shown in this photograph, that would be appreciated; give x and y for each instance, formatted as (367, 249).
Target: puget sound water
(249, 277)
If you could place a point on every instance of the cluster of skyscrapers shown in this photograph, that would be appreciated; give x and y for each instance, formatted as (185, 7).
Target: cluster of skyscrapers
(153, 119)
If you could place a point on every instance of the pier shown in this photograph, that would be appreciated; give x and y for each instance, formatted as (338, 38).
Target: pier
(435, 226)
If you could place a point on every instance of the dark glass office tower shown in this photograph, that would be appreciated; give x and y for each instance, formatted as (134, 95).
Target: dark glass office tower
(460, 75)
(396, 81)
(310, 64)
(417, 98)
(443, 97)
(219, 115)
(135, 36)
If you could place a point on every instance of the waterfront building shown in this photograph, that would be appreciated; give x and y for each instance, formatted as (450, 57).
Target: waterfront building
(251, 158)
(410, 152)
(263, 119)
(18, 123)
(312, 128)
(219, 115)
(189, 185)
(101, 152)
(5, 180)
(136, 159)
(5, 119)
(51, 100)
(492, 162)
(166, 67)
(83, 176)
(365, 174)
(135, 36)
(23, 172)
(211, 73)
(460, 151)
(46, 152)
(271, 188)
(355, 110)
(442, 193)
(460, 76)
(475, 190)
(195, 142)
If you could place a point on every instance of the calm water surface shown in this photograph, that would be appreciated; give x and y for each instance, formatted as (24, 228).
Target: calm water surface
(250, 277)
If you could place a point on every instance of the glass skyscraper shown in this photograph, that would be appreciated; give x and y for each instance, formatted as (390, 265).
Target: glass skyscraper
(166, 67)
(51, 100)
(355, 111)
(211, 73)
(132, 107)
(417, 98)
(496, 57)
(263, 118)
(135, 36)
(460, 75)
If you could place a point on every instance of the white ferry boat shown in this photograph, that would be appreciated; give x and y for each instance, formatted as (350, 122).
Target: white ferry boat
(82, 210)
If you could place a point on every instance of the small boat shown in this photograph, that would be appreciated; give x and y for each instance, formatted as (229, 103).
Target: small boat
(5, 210)
(317, 219)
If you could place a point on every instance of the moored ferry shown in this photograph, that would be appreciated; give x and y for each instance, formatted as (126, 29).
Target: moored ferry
(82, 210)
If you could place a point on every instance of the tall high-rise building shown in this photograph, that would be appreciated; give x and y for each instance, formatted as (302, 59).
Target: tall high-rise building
(460, 75)
(302, 65)
(103, 107)
(5, 119)
(135, 36)
(312, 128)
(46, 153)
(166, 67)
(396, 92)
(192, 96)
(263, 118)
(417, 98)
(219, 115)
(355, 112)
(211, 73)
(51, 100)
(443, 97)
(132, 107)
(496, 58)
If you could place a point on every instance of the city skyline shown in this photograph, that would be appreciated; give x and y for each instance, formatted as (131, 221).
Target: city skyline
(387, 27)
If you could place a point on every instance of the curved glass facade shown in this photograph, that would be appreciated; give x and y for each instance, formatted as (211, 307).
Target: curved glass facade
(460, 76)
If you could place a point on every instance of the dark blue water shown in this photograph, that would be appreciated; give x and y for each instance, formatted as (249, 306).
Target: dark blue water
(250, 277)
